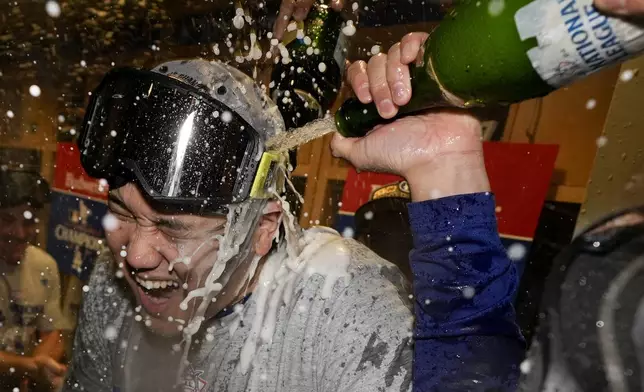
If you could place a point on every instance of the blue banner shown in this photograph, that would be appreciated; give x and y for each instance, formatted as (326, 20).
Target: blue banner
(76, 236)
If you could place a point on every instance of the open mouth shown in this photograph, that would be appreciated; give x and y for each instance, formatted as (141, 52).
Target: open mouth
(157, 289)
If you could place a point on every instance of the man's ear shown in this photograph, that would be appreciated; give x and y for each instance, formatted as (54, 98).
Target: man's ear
(267, 228)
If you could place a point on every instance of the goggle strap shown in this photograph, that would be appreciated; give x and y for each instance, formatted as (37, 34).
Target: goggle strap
(267, 170)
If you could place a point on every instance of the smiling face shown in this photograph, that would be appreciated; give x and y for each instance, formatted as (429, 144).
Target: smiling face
(145, 243)
(17, 229)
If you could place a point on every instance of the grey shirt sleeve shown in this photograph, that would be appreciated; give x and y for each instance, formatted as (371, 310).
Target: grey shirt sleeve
(366, 343)
(91, 367)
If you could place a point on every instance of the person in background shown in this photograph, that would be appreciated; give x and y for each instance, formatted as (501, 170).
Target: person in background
(31, 321)
(382, 224)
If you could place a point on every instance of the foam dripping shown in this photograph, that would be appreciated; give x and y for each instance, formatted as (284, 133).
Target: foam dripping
(318, 251)
(241, 221)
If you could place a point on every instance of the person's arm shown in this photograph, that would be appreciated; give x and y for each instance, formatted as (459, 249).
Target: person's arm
(17, 364)
(51, 344)
(463, 288)
(465, 335)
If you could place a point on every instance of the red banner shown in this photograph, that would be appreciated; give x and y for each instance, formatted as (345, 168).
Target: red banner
(519, 176)
(70, 177)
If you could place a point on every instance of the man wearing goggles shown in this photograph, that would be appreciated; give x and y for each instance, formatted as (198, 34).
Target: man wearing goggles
(210, 285)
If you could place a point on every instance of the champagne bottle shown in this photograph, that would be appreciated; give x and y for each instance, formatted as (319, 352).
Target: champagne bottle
(489, 52)
(305, 83)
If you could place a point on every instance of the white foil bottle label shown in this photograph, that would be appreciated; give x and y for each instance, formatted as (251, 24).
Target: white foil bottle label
(574, 39)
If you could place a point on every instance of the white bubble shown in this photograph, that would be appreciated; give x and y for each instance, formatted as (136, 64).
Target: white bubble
(516, 251)
(72, 131)
(349, 29)
(601, 141)
(110, 332)
(123, 253)
(590, 105)
(61, 118)
(119, 274)
(339, 204)
(113, 133)
(596, 244)
(10, 114)
(526, 366)
(368, 215)
(348, 232)
(375, 49)
(238, 22)
(468, 292)
(12, 370)
(83, 63)
(495, 7)
(227, 117)
(309, 51)
(355, 6)
(627, 75)
(85, 288)
(53, 9)
(307, 40)
(138, 317)
(16, 390)
(450, 249)
(599, 324)
(148, 323)
(110, 222)
(27, 214)
(102, 183)
(34, 90)
(210, 337)
(428, 301)
(291, 26)
(322, 67)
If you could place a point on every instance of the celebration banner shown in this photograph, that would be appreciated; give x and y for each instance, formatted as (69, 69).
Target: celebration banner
(79, 202)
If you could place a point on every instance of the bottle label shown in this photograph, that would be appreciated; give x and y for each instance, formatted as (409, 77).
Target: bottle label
(574, 39)
(340, 52)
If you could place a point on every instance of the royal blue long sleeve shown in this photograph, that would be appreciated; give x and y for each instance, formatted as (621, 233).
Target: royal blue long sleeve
(466, 337)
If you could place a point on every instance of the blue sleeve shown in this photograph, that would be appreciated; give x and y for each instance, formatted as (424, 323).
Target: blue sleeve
(466, 338)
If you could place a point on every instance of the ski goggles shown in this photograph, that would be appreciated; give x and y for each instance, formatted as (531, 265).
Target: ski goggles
(186, 150)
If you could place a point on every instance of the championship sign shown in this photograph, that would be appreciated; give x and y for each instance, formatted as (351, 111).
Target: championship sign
(79, 202)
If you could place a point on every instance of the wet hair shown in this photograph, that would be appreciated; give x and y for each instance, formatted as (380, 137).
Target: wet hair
(22, 187)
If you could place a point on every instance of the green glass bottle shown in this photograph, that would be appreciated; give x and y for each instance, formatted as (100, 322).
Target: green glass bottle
(305, 85)
(489, 52)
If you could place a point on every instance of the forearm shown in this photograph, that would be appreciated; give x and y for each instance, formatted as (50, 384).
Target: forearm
(16, 364)
(463, 282)
(448, 176)
(52, 345)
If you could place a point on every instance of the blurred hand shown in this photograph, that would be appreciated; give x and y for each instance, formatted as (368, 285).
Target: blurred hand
(50, 371)
(621, 7)
(298, 10)
(440, 153)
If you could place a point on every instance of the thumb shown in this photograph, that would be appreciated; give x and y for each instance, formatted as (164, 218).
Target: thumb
(342, 147)
(55, 367)
(621, 7)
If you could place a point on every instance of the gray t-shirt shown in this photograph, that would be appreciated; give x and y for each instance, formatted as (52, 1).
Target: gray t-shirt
(356, 339)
